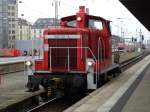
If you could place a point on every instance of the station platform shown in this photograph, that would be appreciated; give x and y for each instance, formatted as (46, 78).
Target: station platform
(113, 96)
(12, 86)
(139, 100)
(12, 89)
(9, 60)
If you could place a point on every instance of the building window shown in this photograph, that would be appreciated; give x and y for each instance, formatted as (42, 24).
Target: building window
(9, 37)
(13, 25)
(9, 31)
(13, 19)
(13, 7)
(13, 31)
(13, 37)
(9, 19)
(9, 14)
(8, 7)
(13, 14)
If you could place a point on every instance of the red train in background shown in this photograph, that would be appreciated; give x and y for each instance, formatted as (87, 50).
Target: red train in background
(10, 53)
(77, 56)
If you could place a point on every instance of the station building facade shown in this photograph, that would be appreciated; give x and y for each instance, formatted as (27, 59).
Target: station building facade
(8, 23)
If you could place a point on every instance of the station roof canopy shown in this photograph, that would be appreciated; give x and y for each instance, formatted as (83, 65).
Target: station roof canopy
(140, 9)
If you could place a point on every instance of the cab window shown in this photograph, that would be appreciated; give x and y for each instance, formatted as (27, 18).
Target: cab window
(95, 24)
(72, 23)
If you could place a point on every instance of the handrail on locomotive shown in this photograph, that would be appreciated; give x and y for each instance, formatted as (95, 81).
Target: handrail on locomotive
(68, 59)
(79, 54)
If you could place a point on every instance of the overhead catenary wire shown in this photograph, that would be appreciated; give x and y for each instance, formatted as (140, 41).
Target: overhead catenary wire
(69, 5)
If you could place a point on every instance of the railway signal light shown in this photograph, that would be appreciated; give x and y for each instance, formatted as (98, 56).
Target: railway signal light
(135, 40)
(132, 39)
(142, 37)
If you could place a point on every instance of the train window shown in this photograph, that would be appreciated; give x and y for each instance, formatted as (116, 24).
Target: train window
(95, 24)
(111, 28)
(72, 23)
(63, 36)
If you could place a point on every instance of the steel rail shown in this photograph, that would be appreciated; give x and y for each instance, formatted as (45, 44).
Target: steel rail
(41, 105)
(126, 64)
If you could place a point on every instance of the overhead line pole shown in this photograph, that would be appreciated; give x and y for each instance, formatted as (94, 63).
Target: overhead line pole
(56, 4)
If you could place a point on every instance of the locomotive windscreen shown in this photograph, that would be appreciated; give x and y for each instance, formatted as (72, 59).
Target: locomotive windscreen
(63, 51)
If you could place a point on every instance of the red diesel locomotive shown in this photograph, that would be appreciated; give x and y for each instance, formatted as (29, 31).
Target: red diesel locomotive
(77, 56)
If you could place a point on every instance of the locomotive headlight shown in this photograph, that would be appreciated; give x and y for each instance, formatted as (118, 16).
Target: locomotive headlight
(90, 63)
(79, 19)
(29, 67)
(29, 63)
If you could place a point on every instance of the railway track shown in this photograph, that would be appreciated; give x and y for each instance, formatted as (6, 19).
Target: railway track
(55, 105)
(34, 109)
(128, 63)
(58, 105)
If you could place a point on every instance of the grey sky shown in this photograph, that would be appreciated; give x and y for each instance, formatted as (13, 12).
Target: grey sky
(34, 9)
(109, 9)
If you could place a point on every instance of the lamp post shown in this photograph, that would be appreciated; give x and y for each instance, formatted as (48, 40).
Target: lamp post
(121, 28)
(141, 36)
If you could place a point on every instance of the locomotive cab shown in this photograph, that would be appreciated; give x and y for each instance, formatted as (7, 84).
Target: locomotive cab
(74, 54)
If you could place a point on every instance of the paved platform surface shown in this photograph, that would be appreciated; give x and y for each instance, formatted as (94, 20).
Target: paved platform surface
(7, 60)
(12, 89)
(139, 101)
(110, 97)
